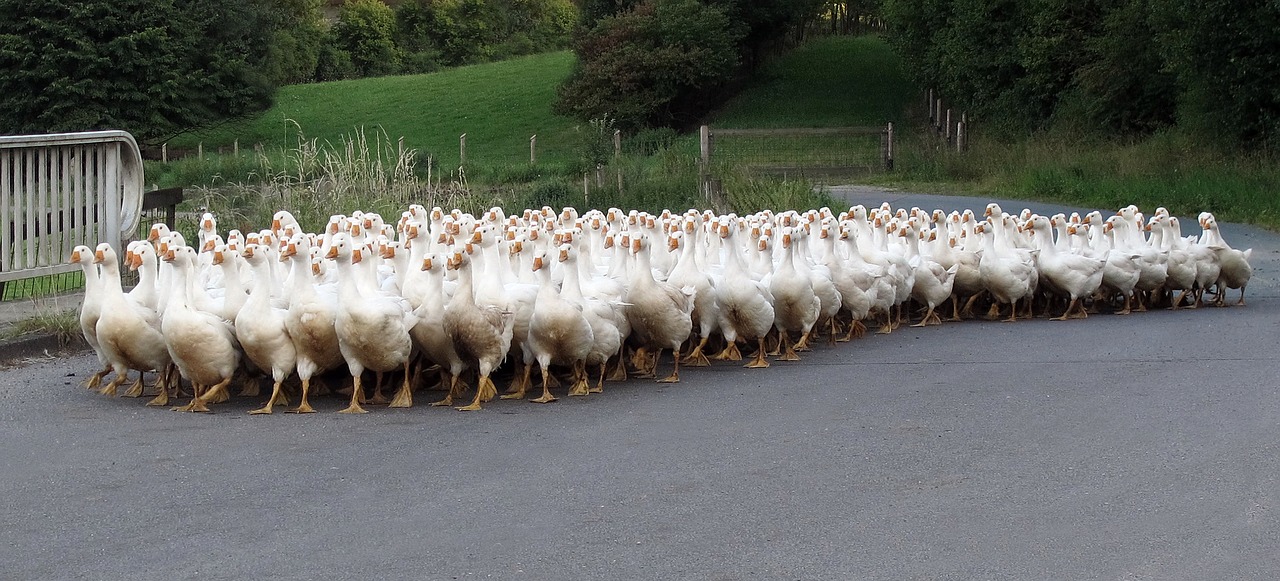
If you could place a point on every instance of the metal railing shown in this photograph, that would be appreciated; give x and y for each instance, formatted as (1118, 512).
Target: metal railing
(61, 190)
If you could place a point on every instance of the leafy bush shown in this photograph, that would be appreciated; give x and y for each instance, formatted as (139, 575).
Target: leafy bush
(660, 64)
(365, 29)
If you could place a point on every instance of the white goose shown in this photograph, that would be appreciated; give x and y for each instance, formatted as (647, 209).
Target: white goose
(311, 318)
(746, 305)
(128, 332)
(263, 330)
(90, 309)
(1074, 276)
(933, 281)
(1005, 275)
(480, 333)
(659, 313)
(373, 329)
(201, 344)
(1234, 268)
(795, 306)
(604, 317)
(558, 332)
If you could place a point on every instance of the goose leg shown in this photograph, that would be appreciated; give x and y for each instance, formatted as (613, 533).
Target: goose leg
(856, 329)
(1013, 312)
(675, 373)
(448, 398)
(788, 351)
(580, 385)
(730, 353)
(357, 390)
(378, 398)
(304, 407)
(758, 362)
(1127, 302)
(1240, 303)
(599, 388)
(276, 396)
(111, 388)
(95, 380)
(403, 397)
(520, 385)
(485, 391)
(620, 369)
(696, 358)
(137, 389)
(546, 390)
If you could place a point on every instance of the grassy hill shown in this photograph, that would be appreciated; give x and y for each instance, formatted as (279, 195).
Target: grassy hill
(498, 105)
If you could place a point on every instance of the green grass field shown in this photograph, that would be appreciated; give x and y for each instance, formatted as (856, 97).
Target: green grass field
(498, 105)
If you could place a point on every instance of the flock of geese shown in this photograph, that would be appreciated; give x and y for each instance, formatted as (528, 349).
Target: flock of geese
(599, 296)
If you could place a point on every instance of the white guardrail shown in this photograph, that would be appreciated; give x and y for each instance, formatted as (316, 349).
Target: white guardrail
(61, 190)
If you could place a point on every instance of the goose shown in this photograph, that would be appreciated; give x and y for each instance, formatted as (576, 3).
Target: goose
(829, 300)
(687, 273)
(1123, 268)
(795, 306)
(1074, 275)
(558, 332)
(1153, 265)
(128, 332)
(201, 344)
(373, 329)
(1233, 264)
(933, 281)
(660, 314)
(746, 304)
(1181, 265)
(1006, 276)
(430, 335)
(90, 309)
(881, 290)
(605, 318)
(262, 328)
(1205, 260)
(311, 319)
(481, 333)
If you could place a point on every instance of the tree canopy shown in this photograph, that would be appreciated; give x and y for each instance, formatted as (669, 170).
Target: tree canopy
(154, 67)
(1126, 66)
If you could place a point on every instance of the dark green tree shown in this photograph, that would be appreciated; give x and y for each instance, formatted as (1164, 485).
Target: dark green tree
(366, 30)
(154, 68)
(661, 64)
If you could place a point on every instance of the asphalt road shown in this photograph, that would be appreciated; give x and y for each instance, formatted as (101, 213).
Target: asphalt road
(1138, 447)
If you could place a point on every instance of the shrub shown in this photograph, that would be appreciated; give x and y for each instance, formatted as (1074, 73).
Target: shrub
(365, 29)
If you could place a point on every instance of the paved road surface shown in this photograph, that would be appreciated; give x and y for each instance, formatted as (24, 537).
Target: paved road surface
(1140, 447)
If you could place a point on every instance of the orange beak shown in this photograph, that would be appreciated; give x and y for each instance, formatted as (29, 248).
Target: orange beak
(537, 263)
(426, 263)
(99, 257)
(332, 253)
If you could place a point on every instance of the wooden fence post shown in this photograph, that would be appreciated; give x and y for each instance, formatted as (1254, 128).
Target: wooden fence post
(617, 156)
(704, 168)
(886, 147)
(937, 122)
(961, 130)
(235, 148)
(928, 103)
(947, 133)
(462, 149)
(585, 196)
(533, 149)
(200, 151)
(164, 152)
